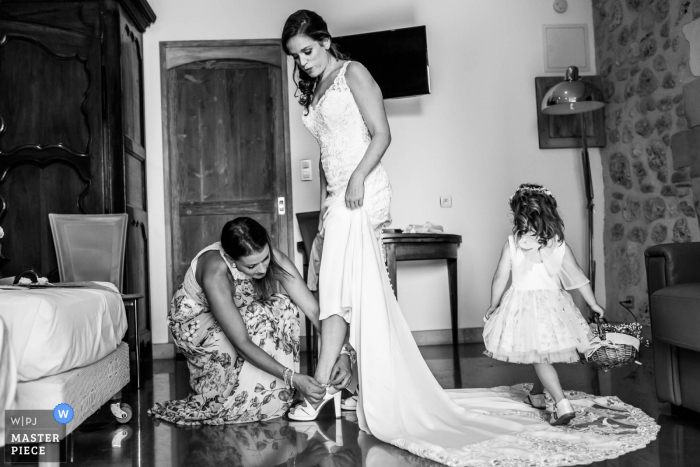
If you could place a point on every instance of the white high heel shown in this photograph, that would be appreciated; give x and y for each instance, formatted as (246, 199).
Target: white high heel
(350, 403)
(305, 412)
(309, 429)
(563, 413)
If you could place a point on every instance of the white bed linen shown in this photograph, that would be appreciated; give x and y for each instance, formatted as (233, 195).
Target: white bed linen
(84, 389)
(8, 378)
(56, 330)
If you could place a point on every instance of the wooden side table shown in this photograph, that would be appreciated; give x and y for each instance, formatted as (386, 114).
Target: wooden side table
(417, 246)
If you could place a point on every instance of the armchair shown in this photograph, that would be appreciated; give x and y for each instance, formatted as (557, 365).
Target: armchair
(673, 279)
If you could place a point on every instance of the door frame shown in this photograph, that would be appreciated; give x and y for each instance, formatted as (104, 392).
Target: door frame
(177, 53)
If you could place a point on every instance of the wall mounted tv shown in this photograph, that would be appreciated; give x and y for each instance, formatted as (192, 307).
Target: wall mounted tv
(397, 59)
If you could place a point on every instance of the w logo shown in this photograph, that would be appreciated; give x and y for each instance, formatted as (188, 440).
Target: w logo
(63, 413)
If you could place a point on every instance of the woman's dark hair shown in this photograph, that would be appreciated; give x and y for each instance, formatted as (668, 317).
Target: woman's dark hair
(535, 210)
(310, 24)
(244, 236)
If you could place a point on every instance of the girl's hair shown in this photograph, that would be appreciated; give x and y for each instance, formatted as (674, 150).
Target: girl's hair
(310, 24)
(244, 236)
(535, 211)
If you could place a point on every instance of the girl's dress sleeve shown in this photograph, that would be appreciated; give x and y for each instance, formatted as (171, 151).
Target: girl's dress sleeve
(570, 274)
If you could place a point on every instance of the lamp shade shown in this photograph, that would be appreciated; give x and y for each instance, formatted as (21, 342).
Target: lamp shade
(572, 96)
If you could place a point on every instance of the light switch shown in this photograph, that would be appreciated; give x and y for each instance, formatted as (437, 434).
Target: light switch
(306, 172)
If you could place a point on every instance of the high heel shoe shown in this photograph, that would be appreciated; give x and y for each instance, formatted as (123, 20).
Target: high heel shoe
(563, 413)
(309, 429)
(306, 412)
(350, 403)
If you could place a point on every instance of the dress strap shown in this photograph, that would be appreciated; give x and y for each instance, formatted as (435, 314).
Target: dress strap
(213, 246)
(341, 73)
(227, 259)
(231, 265)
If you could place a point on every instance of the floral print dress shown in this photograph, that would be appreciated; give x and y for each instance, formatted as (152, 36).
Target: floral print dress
(224, 387)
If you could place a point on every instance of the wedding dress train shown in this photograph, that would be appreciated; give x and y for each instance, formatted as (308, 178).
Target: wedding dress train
(400, 402)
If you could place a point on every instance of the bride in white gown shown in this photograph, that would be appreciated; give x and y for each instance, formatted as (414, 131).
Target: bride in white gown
(400, 402)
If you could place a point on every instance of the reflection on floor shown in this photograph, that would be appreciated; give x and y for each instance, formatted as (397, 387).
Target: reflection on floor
(329, 442)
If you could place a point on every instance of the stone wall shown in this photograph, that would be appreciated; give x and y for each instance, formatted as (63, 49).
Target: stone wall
(643, 58)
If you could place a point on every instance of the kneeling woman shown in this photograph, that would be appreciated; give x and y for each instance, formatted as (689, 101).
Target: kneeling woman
(241, 341)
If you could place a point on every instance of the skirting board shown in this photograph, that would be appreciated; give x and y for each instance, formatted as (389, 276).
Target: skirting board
(434, 337)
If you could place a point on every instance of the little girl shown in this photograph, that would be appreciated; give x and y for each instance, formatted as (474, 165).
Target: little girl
(537, 321)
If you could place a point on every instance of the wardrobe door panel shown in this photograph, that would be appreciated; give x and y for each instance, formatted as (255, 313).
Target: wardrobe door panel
(30, 194)
(49, 91)
(82, 17)
(132, 83)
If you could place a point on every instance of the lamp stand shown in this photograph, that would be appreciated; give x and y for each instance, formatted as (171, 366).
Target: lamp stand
(588, 185)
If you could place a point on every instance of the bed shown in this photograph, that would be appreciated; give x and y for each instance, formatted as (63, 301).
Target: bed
(65, 346)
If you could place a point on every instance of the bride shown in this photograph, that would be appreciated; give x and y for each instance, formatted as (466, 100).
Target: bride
(400, 402)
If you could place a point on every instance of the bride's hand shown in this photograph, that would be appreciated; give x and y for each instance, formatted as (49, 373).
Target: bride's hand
(341, 372)
(489, 312)
(355, 192)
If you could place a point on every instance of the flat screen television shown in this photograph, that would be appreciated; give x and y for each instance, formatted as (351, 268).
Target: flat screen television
(397, 59)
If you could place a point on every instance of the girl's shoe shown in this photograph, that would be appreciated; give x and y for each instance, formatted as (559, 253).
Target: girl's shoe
(563, 413)
(349, 404)
(536, 400)
(310, 428)
(305, 411)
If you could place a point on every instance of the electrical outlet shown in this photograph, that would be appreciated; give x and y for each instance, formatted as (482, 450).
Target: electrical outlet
(446, 201)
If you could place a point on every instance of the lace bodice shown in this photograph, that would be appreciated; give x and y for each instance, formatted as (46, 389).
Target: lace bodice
(341, 132)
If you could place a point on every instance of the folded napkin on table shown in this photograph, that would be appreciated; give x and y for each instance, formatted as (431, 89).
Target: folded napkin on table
(428, 227)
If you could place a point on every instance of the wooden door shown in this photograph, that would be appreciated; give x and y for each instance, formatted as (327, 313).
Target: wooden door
(227, 143)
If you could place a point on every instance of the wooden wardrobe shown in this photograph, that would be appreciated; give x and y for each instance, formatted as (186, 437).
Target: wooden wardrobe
(72, 130)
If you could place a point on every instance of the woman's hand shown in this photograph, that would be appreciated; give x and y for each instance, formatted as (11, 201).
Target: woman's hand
(341, 374)
(355, 192)
(489, 312)
(309, 387)
(598, 309)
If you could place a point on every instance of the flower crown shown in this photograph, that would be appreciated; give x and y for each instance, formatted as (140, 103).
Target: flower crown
(531, 189)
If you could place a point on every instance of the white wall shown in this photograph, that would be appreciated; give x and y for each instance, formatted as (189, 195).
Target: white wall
(474, 138)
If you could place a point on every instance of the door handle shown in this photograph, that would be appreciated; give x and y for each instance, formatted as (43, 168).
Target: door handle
(280, 206)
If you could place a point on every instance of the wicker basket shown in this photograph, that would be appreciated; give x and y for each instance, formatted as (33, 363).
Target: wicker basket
(614, 355)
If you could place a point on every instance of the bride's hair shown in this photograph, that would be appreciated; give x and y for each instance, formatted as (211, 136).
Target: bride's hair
(535, 211)
(310, 24)
(244, 236)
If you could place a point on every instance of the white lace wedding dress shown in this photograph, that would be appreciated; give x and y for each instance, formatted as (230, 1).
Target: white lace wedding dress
(400, 401)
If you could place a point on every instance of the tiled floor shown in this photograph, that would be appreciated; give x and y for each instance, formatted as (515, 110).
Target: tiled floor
(275, 443)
